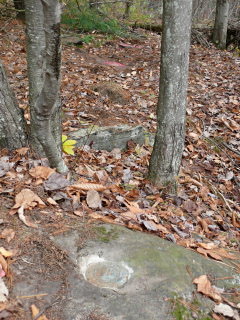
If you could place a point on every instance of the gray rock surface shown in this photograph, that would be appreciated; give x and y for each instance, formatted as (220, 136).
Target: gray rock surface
(108, 138)
(127, 275)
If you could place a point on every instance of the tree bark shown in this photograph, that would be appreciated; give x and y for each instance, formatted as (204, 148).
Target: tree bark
(127, 9)
(169, 141)
(12, 124)
(221, 24)
(44, 60)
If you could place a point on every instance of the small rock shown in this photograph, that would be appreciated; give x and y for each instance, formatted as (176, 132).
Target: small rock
(224, 309)
(93, 199)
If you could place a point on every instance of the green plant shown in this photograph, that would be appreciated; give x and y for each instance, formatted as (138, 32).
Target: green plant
(188, 310)
(180, 312)
(68, 145)
(87, 39)
(89, 20)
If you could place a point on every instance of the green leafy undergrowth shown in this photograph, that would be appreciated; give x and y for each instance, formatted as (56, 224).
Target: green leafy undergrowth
(89, 20)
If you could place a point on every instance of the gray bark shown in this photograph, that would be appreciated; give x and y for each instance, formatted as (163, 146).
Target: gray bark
(12, 124)
(221, 23)
(44, 59)
(169, 141)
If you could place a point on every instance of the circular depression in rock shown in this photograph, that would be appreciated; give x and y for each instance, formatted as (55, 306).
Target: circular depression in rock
(106, 274)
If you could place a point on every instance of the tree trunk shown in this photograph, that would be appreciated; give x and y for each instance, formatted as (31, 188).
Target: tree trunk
(221, 23)
(20, 8)
(127, 9)
(169, 142)
(44, 59)
(12, 124)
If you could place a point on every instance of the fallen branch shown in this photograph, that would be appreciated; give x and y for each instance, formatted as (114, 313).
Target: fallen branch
(233, 214)
(230, 148)
(219, 145)
(199, 37)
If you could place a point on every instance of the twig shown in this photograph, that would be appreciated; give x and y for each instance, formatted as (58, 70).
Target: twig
(33, 296)
(218, 145)
(232, 213)
(44, 309)
(78, 5)
(222, 278)
(230, 148)
(105, 2)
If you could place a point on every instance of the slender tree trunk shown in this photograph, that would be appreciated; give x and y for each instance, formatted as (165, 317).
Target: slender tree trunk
(169, 142)
(20, 7)
(12, 124)
(221, 23)
(127, 9)
(44, 59)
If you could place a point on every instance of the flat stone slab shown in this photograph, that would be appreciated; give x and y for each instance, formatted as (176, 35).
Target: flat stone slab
(128, 275)
(110, 137)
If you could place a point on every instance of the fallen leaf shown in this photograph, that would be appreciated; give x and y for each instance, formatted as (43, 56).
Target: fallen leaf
(88, 186)
(27, 199)
(2, 273)
(129, 215)
(223, 253)
(25, 220)
(207, 246)
(179, 232)
(202, 251)
(204, 286)
(114, 64)
(128, 45)
(85, 170)
(4, 264)
(97, 216)
(56, 181)
(78, 213)
(22, 151)
(189, 206)
(6, 253)
(3, 291)
(93, 199)
(133, 207)
(102, 176)
(35, 312)
(127, 175)
(5, 166)
(8, 234)
(41, 172)
(152, 226)
(216, 317)
(209, 253)
(203, 224)
(134, 226)
(214, 255)
(52, 202)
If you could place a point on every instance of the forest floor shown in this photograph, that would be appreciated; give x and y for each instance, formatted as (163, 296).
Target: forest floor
(111, 186)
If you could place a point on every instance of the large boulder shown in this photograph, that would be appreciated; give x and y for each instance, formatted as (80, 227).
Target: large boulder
(124, 274)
